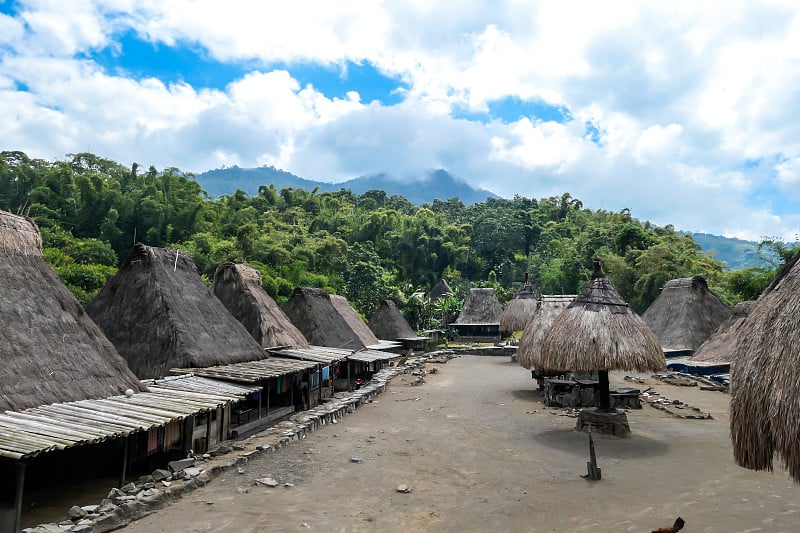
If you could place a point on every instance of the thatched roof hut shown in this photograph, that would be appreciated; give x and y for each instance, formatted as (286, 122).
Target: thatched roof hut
(719, 347)
(328, 320)
(388, 323)
(519, 309)
(765, 404)
(685, 314)
(481, 307)
(599, 331)
(440, 289)
(50, 350)
(548, 307)
(160, 315)
(239, 288)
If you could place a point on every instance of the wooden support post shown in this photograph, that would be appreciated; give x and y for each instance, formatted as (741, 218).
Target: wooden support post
(260, 394)
(349, 383)
(208, 431)
(594, 473)
(605, 395)
(18, 496)
(124, 461)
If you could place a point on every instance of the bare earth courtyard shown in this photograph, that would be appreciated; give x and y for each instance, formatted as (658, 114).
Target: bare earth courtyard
(481, 452)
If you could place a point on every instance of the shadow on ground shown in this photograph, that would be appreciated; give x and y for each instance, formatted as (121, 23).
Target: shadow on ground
(573, 442)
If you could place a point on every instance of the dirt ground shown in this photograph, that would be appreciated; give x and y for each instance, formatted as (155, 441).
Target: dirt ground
(481, 452)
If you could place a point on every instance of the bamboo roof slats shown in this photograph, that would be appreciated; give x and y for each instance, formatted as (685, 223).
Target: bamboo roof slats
(45, 335)
(239, 288)
(159, 314)
(253, 371)
(765, 372)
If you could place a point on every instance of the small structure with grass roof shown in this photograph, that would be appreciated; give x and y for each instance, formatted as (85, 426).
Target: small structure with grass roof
(160, 315)
(529, 350)
(239, 288)
(765, 404)
(388, 323)
(479, 319)
(520, 309)
(599, 332)
(440, 290)
(684, 315)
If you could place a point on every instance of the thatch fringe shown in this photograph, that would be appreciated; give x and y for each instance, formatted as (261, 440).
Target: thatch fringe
(529, 354)
(239, 288)
(481, 307)
(685, 314)
(50, 350)
(721, 345)
(388, 323)
(160, 315)
(598, 331)
(327, 320)
(765, 404)
(19, 236)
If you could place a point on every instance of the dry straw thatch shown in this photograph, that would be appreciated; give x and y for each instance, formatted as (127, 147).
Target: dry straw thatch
(388, 323)
(529, 350)
(239, 288)
(719, 347)
(520, 308)
(160, 315)
(327, 320)
(685, 314)
(765, 404)
(598, 331)
(480, 308)
(440, 290)
(50, 350)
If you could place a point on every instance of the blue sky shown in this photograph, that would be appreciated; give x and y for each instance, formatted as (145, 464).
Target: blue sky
(686, 114)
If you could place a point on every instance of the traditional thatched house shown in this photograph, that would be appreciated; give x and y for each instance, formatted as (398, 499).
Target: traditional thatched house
(685, 314)
(599, 332)
(519, 309)
(328, 320)
(50, 350)
(548, 307)
(440, 290)
(388, 323)
(719, 347)
(159, 314)
(480, 316)
(765, 404)
(239, 288)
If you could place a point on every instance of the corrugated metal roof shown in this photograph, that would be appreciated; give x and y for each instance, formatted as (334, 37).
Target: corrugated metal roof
(28, 433)
(252, 371)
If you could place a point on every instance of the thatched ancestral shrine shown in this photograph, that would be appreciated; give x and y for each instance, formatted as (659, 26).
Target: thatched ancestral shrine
(480, 316)
(50, 350)
(160, 315)
(529, 350)
(239, 288)
(388, 323)
(440, 290)
(328, 320)
(721, 345)
(685, 314)
(765, 404)
(520, 308)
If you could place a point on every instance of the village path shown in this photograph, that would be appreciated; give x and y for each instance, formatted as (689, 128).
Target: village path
(482, 453)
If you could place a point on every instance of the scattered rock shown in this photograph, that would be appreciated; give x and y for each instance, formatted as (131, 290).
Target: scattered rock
(181, 464)
(76, 513)
(356, 460)
(405, 489)
(267, 481)
(128, 488)
(161, 474)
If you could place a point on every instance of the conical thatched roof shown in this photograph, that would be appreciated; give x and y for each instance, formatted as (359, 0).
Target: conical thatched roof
(50, 350)
(685, 314)
(239, 288)
(480, 308)
(160, 315)
(440, 289)
(519, 309)
(765, 404)
(598, 331)
(529, 352)
(327, 320)
(388, 323)
(719, 347)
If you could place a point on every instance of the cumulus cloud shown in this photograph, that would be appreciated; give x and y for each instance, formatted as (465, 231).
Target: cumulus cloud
(692, 106)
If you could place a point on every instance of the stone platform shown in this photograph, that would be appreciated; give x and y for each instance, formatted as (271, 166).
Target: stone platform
(611, 422)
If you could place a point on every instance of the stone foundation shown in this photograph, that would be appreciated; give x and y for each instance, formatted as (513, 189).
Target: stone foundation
(608, 423)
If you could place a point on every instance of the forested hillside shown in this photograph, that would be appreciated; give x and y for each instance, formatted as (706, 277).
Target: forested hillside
(366, 247)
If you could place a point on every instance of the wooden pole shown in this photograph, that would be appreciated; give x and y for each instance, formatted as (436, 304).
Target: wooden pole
(124, 461)
(260, 394)
(18, 496)
(605, 401)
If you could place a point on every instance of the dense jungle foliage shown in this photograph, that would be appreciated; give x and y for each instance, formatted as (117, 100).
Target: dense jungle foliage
(367, 247)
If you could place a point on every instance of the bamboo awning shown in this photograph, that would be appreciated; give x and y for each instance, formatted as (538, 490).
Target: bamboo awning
(326, 354)
(28, 433)
(252, 371)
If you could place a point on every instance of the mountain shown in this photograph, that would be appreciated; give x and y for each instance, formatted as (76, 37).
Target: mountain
(436, 184)
(737, 253)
